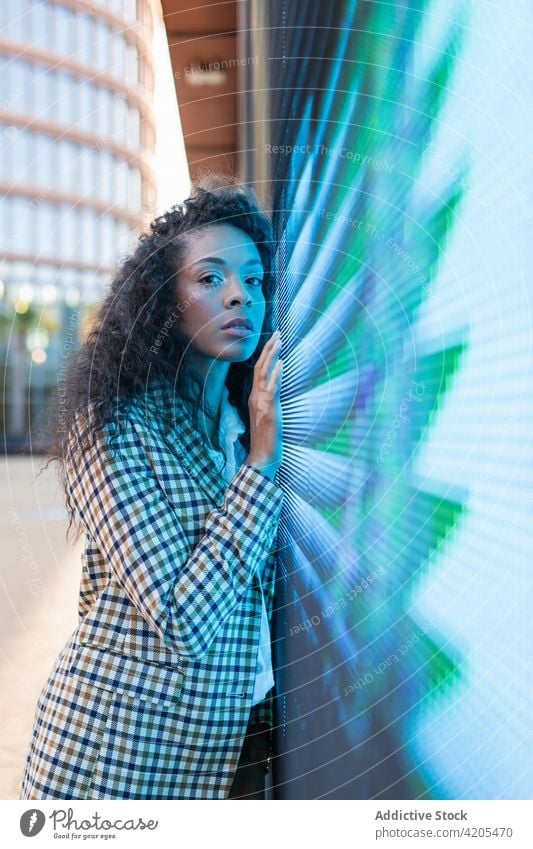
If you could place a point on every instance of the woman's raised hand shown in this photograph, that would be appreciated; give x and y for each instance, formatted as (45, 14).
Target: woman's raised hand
(266, 426)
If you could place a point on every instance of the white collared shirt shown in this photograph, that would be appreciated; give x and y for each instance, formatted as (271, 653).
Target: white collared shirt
(231, 425)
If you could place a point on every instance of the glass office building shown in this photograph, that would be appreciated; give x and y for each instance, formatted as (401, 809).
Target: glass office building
(77, 140)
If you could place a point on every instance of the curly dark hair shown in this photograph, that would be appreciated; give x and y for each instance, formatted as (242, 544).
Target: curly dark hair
(125, 353)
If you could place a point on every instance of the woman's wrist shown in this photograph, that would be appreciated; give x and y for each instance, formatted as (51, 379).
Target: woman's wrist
(267, 469)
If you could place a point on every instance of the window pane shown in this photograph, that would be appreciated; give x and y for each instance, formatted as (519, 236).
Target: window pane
(6, 224)
(63, 111)
(31, 164)
(66, 171)
(118, 56)
(64, 31)
(41, 25)
(41, 89)
(99, 116)
(15, 20)
(101, 53)
(42, 147)
(101, 111)
(72, 234)
(124, 238)
(86, 98)
(23, 224)
(120, 119)
(8, 153)
(133, 128)
(135, 183)
(65, 235)
(20, 157)
(20, 87)
(87, 250)
(53, 96)
(107, 231)
(117, 7)
(5, 145)
(132, 65)
(84, 172)
(121, 185)
(45, 238)
(7, 97)
(85, 38)
(130, 10)
(106, 164)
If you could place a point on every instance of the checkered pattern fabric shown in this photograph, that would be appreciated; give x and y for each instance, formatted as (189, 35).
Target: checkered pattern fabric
(151, 696)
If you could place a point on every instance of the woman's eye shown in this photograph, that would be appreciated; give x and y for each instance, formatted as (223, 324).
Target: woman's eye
(215, 279)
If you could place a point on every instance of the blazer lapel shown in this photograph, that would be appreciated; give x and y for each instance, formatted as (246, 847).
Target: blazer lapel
(190, 445)
(185, 441)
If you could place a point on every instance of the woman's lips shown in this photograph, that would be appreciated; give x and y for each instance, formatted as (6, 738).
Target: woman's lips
(237, 331)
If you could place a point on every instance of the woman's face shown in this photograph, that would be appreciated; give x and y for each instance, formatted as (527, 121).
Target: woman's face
(220, 279)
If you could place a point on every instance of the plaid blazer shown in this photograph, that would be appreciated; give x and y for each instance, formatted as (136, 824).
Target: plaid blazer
(151, 695)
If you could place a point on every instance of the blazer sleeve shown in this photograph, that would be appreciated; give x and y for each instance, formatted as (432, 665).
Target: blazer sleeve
(185, 595)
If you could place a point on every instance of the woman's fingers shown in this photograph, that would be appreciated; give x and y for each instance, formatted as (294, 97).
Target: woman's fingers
(266, 350)
(266, 364)
(265, 407)
(275, 378)
(273, 353)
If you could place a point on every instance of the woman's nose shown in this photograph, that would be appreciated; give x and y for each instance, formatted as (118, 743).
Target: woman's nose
(238, 293)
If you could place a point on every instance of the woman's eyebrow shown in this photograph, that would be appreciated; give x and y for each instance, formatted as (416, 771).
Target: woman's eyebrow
(219, 261)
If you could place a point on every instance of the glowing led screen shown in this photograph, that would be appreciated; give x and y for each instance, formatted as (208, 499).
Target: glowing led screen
(395, 142)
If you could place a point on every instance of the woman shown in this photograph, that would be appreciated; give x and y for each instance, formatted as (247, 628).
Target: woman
(164, 690)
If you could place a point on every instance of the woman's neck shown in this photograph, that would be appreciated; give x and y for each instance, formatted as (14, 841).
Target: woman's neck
(213, 373)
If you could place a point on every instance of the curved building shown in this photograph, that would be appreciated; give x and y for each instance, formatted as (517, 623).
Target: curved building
(77, 139)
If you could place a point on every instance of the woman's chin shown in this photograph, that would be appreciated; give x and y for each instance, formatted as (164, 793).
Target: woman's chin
(237, 351)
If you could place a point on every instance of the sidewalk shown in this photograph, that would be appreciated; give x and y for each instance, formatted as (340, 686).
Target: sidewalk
(39, 586)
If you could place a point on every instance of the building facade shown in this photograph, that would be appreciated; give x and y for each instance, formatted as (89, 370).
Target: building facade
(77, 140)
